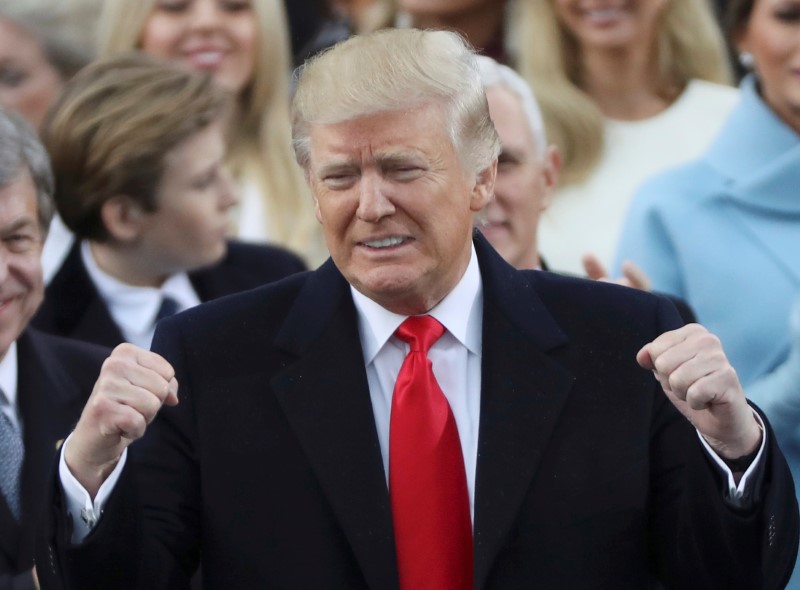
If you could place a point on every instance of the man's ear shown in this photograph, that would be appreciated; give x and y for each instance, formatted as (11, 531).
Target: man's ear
(313, 186)
(483, 190)
(317, 212)
(551, 171)
(123, 218)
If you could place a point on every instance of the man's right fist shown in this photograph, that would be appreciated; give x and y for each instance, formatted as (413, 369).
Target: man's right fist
(133, 385)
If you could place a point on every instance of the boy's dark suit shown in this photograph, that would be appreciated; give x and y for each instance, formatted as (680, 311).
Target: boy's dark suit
(55, 377)
(587, 476)
(74, 308)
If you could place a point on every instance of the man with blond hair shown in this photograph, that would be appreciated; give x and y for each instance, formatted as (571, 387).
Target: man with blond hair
(417, 414)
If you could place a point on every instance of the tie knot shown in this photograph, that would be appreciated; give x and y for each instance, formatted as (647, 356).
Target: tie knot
(420, 332)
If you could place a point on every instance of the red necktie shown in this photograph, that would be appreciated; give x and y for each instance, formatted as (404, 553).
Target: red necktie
(427, 481)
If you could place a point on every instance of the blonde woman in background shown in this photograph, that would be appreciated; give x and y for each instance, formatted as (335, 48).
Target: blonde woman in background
(627, 90)
(244, 45)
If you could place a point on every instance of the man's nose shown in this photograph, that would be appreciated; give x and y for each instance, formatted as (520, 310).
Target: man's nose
(373, 202)
(229, 191)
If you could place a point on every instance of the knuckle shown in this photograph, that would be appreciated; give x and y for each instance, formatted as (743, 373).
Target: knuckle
(661, 366)
(133, 424)
(99, 405)
(677, 384)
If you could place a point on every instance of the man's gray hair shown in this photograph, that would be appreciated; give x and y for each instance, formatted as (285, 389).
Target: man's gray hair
(397, 70)
(20, 148)
(494, 74)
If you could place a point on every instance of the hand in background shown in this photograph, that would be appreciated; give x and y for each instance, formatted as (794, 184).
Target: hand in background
(632, 275)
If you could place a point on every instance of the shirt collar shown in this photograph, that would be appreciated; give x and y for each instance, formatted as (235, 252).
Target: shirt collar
(8, 376)
(377, 324)
(134, 308)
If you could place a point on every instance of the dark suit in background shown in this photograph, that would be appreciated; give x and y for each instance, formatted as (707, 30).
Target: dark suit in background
(587, 476)
(74, 308)
(55, 377)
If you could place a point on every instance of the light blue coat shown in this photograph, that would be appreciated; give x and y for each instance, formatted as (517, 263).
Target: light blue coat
(723, 233)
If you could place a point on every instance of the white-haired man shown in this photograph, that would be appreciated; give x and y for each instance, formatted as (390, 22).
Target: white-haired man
(527, 177)
(44, 380)
(418, 414)
(527, 167)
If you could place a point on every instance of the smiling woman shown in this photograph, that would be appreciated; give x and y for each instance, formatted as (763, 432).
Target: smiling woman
(627, 88)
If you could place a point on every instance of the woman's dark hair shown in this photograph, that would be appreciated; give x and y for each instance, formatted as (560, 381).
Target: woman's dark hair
(736, 17)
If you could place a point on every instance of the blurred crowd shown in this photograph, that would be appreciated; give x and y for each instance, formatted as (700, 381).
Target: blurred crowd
(653, 143)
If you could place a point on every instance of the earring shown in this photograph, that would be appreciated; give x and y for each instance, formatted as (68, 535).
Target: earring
(746, 59)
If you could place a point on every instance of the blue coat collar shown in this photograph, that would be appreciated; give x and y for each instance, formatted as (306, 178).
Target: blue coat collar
(758, 154)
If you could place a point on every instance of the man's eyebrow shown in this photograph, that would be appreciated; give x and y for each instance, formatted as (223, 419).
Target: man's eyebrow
(512, 153)
(337, 166)
(18, 224)
(396, 158)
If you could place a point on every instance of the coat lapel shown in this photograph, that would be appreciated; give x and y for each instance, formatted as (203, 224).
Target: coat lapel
(73, 308)
(325, 397)
(522, 394)
(758, 156)
(766, 209)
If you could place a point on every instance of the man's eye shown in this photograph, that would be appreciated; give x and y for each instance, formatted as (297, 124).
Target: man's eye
(406, 172)
(205, 181)
(788, 15)
(12, 77)
(19, 242)
(339, 180)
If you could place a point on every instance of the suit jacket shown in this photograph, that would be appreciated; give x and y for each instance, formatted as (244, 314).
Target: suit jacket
(587, 476)
(55, 376)
(74, 308)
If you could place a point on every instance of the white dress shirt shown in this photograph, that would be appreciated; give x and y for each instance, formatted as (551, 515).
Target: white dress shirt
(456, 359)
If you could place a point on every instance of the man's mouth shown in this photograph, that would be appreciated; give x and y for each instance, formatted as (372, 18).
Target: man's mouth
(388, 242)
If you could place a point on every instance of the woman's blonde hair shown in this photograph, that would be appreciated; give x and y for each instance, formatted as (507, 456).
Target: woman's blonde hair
(260, 151)
(690, 46)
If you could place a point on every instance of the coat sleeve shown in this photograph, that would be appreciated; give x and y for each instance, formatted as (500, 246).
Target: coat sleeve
(699, 541)
(148, 535)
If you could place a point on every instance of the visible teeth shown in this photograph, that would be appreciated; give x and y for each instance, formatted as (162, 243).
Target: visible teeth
(604, 13)
(384, 243)
(207, 57)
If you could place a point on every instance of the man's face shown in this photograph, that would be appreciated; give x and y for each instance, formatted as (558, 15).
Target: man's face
(21, 239)
(188, 229)
(525, 183)
(396, 205)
